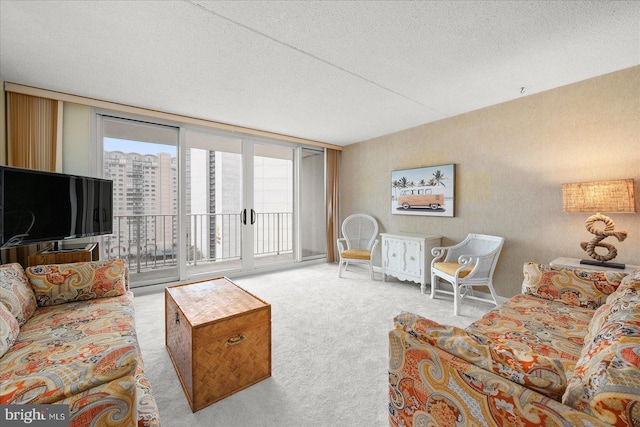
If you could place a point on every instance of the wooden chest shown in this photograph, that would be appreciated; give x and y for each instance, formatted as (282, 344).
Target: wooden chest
(219, 338)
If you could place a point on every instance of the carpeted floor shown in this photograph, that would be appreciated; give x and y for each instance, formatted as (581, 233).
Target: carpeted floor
(329, 350)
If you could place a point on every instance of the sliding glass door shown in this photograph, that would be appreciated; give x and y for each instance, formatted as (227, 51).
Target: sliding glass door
(141, 159)
(193, 203)
(214, 203)
(239, 203)
(312, 242)
(270, 217)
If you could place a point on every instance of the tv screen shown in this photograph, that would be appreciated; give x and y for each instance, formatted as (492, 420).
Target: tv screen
(40, 206)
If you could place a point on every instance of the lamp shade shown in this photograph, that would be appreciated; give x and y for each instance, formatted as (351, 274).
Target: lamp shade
(600, 196)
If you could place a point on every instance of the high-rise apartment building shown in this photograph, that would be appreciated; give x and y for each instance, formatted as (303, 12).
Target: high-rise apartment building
(146, 204)
(145, 199)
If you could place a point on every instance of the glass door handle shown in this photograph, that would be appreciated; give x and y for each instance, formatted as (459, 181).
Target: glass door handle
(244, 217)
(253, 217)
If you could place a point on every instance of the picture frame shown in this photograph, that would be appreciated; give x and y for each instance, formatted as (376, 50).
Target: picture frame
(426, 191)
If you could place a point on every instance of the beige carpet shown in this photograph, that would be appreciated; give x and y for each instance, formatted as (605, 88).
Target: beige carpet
(329, 350)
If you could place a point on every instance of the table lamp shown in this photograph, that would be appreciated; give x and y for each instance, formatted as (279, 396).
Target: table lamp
(617, 196)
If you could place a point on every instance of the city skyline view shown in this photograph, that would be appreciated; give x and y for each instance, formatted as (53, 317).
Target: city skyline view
(145, 179)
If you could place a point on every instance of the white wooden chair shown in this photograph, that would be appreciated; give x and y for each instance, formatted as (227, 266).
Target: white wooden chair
(465, 265)
(359, 232)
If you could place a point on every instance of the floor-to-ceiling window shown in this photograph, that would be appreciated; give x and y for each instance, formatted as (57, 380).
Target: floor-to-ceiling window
(141, 159)
(270, 210)
(214, 202)
(311, 179)
(243, 203)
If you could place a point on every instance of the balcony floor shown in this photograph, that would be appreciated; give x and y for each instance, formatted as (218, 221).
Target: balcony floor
(160, 271)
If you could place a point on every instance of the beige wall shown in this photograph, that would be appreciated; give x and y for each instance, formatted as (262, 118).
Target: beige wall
(76, 140)
(3, 129)
(511, 160)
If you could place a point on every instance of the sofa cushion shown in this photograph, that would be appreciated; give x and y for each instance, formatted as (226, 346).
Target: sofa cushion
(9, 329)
(61, 283)
(606, 379)
(16, 293)
(66, 349)
(579, 287)
(549, 335)
(529, 323)
(543, 374)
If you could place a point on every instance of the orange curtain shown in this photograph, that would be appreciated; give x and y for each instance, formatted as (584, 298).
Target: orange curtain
(32, 137)
(31, 132)
(332, 166)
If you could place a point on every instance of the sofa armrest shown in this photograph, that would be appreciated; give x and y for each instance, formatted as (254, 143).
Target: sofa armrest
(113, 403)
(606, 378)
(429, 386)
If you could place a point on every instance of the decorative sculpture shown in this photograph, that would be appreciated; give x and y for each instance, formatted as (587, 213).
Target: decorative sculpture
(609, 231)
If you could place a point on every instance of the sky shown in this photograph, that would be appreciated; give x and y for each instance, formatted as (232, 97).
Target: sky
(126, 146)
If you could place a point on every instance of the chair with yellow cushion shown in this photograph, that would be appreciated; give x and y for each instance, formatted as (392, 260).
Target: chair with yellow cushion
(359, 232)
(465, 265)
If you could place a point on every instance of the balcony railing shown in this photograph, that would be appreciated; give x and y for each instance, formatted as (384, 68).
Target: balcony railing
(150, 241)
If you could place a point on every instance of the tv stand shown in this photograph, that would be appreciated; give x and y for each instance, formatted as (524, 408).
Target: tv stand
(66, 253)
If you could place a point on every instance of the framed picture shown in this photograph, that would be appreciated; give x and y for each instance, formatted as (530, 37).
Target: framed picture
(423, 191)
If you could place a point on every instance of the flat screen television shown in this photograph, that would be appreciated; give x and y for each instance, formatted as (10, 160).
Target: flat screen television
(37, 207)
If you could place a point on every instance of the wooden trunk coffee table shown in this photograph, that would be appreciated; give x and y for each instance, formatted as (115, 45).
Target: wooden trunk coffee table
(219, 338)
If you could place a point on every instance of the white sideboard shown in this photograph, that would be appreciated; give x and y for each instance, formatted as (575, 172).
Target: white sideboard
(408, 256)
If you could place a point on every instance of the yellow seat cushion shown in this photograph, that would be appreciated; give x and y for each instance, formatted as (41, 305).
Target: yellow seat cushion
(356, 254)
(451, 267)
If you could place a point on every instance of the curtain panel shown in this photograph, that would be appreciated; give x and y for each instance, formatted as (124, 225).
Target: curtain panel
(32, 132)
(332, 167)
(32, 142)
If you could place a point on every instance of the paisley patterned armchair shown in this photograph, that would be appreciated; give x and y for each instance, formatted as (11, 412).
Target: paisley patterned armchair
(564, 352)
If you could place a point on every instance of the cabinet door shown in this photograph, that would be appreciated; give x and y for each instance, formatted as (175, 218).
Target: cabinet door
(392, 254)
(413, 257)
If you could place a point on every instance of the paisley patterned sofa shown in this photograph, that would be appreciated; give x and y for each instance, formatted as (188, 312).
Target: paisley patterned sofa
(67, 336)
(565, 352)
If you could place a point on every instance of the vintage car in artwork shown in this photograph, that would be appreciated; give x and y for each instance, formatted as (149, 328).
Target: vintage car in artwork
(420, 197)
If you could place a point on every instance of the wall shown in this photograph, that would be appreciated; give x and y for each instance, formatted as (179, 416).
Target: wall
(76, 140)
(3, 129)
(511, 160)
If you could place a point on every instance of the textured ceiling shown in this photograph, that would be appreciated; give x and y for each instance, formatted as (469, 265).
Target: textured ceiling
(331, 71)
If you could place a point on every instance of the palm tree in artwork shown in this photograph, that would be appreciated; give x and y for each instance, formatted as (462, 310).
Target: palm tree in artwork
(399, 183)
(438, 178)
(395, 184)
